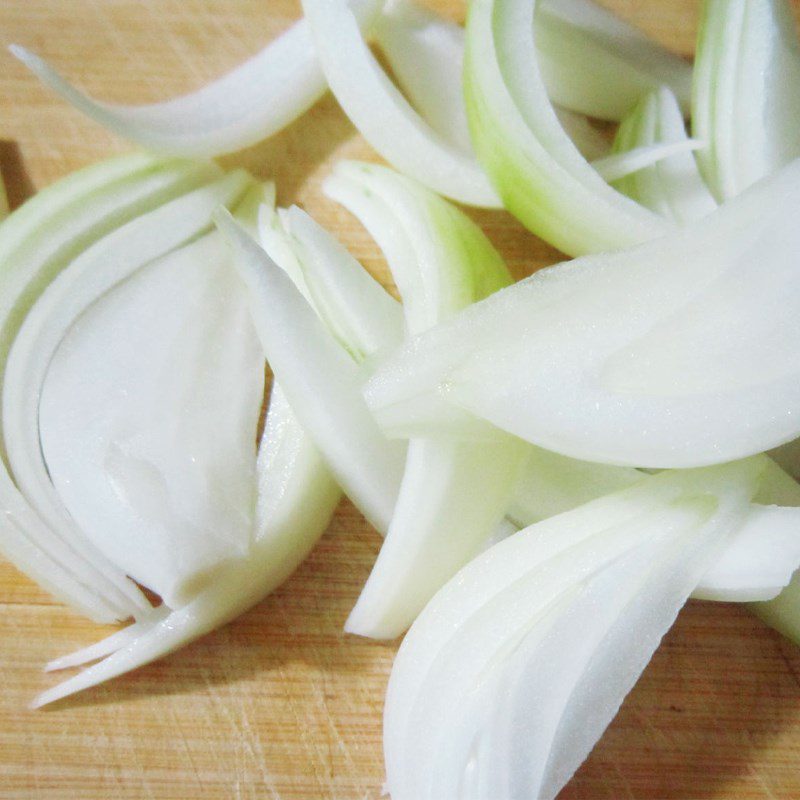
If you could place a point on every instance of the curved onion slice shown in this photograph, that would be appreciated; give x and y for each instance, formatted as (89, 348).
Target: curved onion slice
(383, 116)
(760, 560)
(672, 187)
(355, 307)
(745, 100)
(321, 382)
(36, 243)
(596, 64)
(489, 693)
(163, 500)
(454, 493)
(295, 502)
(358, 313)
(426, 54)
(680, 352)
(249, 104)
(540, 175)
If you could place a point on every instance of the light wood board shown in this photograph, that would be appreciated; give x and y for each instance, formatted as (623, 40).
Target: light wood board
(280, 704)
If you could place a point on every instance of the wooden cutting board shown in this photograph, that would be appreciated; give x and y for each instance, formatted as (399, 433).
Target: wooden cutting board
(280, 704)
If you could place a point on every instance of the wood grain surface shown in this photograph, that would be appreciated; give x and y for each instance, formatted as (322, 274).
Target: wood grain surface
(280, 704)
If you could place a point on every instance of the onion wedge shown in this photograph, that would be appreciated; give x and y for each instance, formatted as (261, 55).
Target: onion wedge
(251, 103)
(454, 492)
(383, 116)
(488, 694)
(163, 500)
(295, 503)
(36, 242)
(745, 102)
(540, 175)
(680, 352)
(321, 382)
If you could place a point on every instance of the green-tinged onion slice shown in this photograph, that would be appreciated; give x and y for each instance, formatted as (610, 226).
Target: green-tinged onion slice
(540, 175)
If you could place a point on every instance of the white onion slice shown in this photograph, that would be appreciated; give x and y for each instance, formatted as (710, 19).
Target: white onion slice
(254, 101)
(296, 500)
(745, 100)
(426, 54)
(760, 560)
(321, 382)
(454, 493)
(162, 499)
(36, 242)
(672, 187)
(540, 175)
(355, 307)
(383, 116)
(489, 693)
(680, 352)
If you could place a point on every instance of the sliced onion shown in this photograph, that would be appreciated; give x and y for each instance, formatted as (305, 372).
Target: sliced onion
(161, 499)
(426, 54)
(355, 307)
(672, 187)
(296, 500)
(383, 116)
(320, 380)
(619, 165)
(550, 484)
(553, 621)
(251, 103)
(539, 173)
(680, 352)
(745, 101)
(36, 243)
(454, 493)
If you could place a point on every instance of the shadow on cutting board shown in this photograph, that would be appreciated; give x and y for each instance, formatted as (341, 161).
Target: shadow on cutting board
(19, 186)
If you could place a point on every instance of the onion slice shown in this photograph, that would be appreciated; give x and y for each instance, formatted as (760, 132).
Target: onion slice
(540, 175)
(164, 501)
(680, 352)
(383, 116)
(321, 382)
(296, 500)
(254, 101)
(745, 101)
(454, 493)
(426, 54)
(488, 694)
(673, 187)
(36, 243)
(359, 312)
